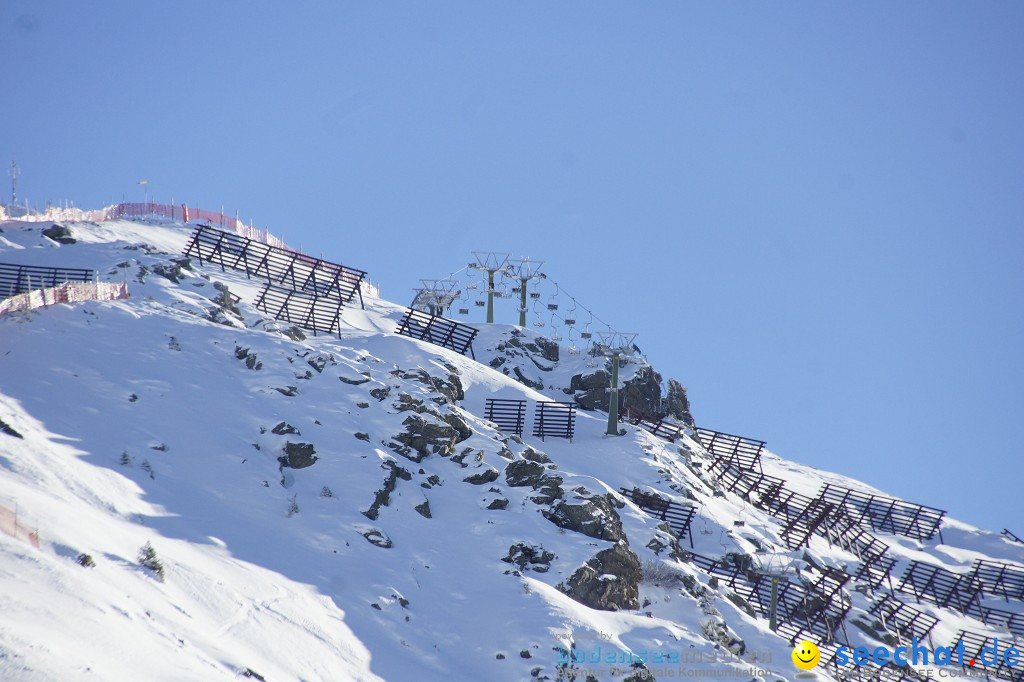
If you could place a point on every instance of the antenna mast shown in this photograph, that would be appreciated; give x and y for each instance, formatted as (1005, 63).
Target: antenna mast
(14, 173)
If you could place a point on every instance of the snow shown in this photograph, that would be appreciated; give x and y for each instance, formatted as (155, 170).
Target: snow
(141, 422)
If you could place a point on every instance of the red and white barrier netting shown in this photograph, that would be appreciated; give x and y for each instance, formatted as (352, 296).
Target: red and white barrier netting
(72, 292)
(150, 209)
(171, 212)
(10, 525)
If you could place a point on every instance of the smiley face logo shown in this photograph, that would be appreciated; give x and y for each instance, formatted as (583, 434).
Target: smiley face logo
(806, 655)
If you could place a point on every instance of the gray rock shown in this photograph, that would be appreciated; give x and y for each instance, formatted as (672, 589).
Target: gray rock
(298, 455)
(526, 381)
(380, 393)
(498, 503)
(540, 345)
(677, 403)
(459, 424)
(285, 428)
(529, 557)
(382, 497)
(5, 428)
(591, 390)
(524, 472)
(175, 270)
(59, 234)
(250, 358)
(608, 582)
(536, 456)
(484, 477)
(594, 517)
(450, 388)
(424, 509)
(642, 392)
(378, 538)
(422, 438)
(319, 361)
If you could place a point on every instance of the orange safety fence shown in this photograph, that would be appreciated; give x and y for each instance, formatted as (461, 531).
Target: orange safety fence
(72, 292)
(180, 212)
(10, 525)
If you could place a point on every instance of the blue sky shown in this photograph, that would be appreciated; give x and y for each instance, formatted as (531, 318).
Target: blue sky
(811, 212)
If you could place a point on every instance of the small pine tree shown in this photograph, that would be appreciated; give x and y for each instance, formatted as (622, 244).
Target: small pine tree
(148, 468)
(326, 492)
(126, 459)
(149, 559)
(293, 506)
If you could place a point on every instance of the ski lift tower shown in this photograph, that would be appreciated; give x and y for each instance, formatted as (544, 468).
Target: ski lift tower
(490, 262)
(436, 296)
(777, 572)
(616, 345)
(525, 270)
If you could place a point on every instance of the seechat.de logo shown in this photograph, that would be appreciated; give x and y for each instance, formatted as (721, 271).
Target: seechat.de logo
(918, 655)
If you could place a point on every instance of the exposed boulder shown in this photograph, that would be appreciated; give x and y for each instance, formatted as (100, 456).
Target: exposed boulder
(174, 270)
(608, 582)
(285, 428)
(298, 455)
(380, 393)
(718, 632)
(526, 473)
(319, 361)
(536, 456)
(294, 333)
(488, 475)
(677, 403)
(642, 392)
(450, 388)
(382, 497)
(250, 358)
(378, 537)
(595, 517)
(59, 234)
(459, 424)
(591, 390)
(529, 557)
(422, 437)
(526, 381)
(5, 428)
(539, 346)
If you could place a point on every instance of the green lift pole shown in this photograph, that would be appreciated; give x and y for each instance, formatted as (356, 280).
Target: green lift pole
(525, 270)
(491, 262)
(613, 399)
(490, 297)
(522, 302)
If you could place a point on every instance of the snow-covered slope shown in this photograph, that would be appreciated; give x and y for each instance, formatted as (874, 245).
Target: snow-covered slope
(338, 509)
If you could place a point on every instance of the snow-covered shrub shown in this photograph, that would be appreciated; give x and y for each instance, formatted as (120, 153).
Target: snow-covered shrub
(148, 559)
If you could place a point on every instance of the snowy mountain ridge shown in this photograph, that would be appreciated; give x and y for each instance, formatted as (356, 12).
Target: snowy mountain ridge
(337, 507)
